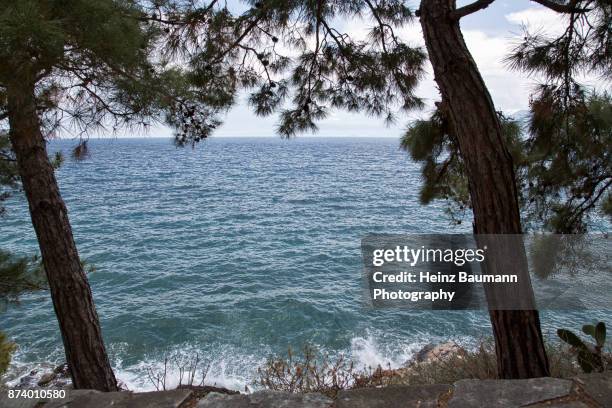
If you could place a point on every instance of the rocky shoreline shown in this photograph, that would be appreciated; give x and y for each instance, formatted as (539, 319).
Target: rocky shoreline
(582, 391)
(58, 377)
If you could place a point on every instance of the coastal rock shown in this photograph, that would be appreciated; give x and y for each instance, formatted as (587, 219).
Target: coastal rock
(29, 381)
(266, 399)
(46, 379)
(62, 370)
(507, 393)
(201, 391)
(424, 396)
(437, 351)
(46, 376)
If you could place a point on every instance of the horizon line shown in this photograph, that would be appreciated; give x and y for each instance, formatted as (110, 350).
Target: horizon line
(224, 137)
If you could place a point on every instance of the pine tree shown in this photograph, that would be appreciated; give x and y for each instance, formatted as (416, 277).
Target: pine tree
(489, 165)
(560, 151)
(75, 66)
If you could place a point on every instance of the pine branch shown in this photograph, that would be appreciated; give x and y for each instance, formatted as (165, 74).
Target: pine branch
(470, 8)
(382, 26)
(590, 203)
(238, 40)
(562, 8)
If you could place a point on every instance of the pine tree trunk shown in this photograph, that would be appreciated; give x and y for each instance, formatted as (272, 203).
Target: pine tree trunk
(70, 292)
(518, 337)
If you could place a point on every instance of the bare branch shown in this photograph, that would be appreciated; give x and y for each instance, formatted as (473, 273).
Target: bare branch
(470, 8)
(238, 40)
(562, 8)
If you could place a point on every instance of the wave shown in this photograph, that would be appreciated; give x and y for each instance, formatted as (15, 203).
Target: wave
(225, 367)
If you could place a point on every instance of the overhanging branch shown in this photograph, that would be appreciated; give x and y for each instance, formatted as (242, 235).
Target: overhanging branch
(569, 7)
(470, 8)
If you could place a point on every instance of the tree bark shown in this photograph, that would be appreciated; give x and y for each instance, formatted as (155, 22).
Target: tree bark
(70, 291)
(518, 337)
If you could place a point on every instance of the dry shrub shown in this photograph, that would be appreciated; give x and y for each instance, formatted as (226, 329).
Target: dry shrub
(314, 372)
(479, 363)
(310, 373)
(188, 368)
(317, 373)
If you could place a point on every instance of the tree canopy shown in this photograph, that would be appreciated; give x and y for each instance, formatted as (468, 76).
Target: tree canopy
(90, 75)
(561, 149)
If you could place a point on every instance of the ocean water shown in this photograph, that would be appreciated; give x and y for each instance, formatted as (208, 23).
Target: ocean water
(235, 251)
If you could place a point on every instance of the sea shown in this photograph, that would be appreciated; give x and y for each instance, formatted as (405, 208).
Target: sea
(236, 251)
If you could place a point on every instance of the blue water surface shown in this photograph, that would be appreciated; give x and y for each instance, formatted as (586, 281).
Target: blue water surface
(237, 250)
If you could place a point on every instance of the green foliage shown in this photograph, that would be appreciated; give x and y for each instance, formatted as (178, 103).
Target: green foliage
(182, 62)
(589, 355)
(108, 63)
(9, 178)
(432, 143)
(550, 254)
(19, 275)
(563, 170)
(6, 350)
(568, 168)
(569, 172)
(275, 47)
(562, 156)
(584, 47)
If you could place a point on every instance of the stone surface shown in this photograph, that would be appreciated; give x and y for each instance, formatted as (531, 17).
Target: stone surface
(266, 399)
(5, 402)
(536, 393)
(166, 399)
(392, 397)
(508, 393)
(597, 386)
(76, 397)
(93, 399)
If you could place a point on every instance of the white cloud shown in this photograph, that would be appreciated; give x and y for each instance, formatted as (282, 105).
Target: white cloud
(509, 89)
(539, 19)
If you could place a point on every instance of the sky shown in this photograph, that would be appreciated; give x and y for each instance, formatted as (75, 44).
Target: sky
(489, 34)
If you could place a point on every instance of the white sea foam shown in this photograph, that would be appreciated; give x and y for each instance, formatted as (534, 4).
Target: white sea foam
(367, 352)
(227, 367)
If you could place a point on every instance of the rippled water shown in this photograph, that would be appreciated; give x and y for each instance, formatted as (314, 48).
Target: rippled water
(237, 250)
